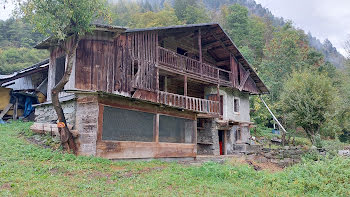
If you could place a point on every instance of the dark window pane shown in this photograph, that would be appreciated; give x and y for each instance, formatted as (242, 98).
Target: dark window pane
(175, 130)
(127, 125)
(60, 68)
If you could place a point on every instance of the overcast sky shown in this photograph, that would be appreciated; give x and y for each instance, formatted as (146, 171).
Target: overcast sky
(323, 18)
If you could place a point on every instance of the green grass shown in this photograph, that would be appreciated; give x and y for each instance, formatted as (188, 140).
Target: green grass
(29, 170)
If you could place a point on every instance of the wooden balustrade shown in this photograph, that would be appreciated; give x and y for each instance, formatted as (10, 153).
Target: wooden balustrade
(189, 103)
(188, 65)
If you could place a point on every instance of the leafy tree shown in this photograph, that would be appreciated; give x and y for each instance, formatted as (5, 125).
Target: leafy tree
(256, 36)
(18, 33)
(123, 11)
(14, 59)
(64, 20)
(237, 23)
(285, 53)
(308, 101)
(196, 14)
(180, 7)
(165, 17)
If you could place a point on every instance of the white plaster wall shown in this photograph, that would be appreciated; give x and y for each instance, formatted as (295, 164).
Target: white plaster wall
(229, 95)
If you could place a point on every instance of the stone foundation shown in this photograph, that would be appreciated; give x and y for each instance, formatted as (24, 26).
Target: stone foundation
(208, 139)
(87, 124)
(46, 113)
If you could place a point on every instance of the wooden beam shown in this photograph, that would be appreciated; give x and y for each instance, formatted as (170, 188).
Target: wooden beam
(200, 49)
(225, 142)
(213, 55)
(185, 85)
(157, 82)
(223, 62)
(244, 80)
(222, 43)
(7, 108)
(156, 128)
(211, 44)
(166, 84)
(15, 110)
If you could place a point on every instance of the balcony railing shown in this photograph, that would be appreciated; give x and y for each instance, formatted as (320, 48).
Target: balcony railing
(189, 103)
(184, 64)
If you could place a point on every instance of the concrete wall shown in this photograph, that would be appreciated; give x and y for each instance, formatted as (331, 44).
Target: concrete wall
(229, 95)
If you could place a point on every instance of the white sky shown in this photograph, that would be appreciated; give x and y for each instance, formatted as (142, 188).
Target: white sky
(323, 18)
(5, 13)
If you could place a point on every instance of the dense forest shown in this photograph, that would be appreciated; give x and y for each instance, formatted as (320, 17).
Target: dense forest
(306, 89)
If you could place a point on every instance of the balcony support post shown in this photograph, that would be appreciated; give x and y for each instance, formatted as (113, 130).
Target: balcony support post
(157, 82)
(200, 51)
(218, 98)
(185, 89)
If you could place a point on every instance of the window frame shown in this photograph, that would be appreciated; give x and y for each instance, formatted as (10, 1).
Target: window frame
(234, 105)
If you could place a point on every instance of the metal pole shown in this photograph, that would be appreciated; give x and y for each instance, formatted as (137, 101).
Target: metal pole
(274, 117)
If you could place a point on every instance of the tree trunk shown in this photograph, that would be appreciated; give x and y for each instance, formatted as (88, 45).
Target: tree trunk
(67, 140)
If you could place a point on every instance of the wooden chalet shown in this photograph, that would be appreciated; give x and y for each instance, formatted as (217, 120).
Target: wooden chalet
(159, 92)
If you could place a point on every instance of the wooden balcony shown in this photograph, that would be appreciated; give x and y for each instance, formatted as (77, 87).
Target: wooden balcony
(169, 60)
(189, 103)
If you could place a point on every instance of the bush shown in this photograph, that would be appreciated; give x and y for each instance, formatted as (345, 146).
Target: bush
(345, 137)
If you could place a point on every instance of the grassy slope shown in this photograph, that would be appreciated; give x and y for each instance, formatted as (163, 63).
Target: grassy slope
(27, 169)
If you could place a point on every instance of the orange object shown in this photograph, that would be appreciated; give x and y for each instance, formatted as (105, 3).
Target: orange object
(61, 125)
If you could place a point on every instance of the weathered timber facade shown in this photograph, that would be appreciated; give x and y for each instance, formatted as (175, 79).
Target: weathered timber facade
(154, 92)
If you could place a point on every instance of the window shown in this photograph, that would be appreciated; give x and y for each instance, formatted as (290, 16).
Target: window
(60, 68)
(127, 125)
(236, 105)
(238, 135)
(175, 130)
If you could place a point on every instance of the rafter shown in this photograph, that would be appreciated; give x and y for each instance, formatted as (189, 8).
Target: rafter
(244, 80)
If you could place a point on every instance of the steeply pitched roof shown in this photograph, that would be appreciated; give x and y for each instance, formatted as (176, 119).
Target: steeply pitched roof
(214, 29)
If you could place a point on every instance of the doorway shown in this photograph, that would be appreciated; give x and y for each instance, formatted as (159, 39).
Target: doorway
(222, 142)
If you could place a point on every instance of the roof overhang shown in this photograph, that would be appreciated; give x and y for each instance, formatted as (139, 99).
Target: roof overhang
(50, 41)
(229, 45)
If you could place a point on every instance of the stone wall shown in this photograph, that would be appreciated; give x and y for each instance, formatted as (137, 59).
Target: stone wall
(46, 113)
(283, 157)
(208, 139)
(87, 124)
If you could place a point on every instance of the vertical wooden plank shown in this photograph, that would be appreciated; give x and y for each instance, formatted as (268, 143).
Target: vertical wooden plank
(100, 122)
(218, 97)
(15, 110)
(225, 142)
(194, 139)
(156, 128)
(185, 85)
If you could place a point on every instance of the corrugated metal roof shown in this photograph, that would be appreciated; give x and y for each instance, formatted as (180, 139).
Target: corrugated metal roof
(24, 72)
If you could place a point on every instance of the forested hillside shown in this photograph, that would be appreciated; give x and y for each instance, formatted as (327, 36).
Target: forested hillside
(16, 46)
(326, 48)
